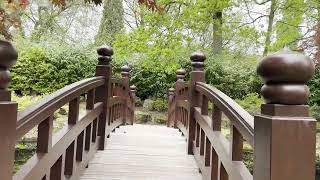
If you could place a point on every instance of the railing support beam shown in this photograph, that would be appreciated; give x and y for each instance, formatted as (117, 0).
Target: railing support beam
(197, 75)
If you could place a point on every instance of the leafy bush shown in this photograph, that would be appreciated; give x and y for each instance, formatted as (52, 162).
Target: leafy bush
(315, 111)
(42, 71)
(25, 101)
(314, 85)
(159, 105)
(251, 102)
(147, 104)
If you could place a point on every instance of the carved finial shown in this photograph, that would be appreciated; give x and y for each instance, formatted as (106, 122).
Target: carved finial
(171, 91)
(133, 88)
(285, 75)
(8, 57)
(125, 71)
(181, 73)
(197, 59)
(105, 55)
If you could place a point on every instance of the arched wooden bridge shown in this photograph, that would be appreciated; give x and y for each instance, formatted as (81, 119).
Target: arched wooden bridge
(103, 142)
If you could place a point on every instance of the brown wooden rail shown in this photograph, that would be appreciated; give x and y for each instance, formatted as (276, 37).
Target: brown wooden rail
(282, 136)
(65, 154)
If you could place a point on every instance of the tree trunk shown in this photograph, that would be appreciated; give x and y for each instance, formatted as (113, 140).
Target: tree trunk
(112, 22)
(270, 27)
(217, 33)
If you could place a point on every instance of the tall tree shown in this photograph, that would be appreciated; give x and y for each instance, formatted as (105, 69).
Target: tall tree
(112, 22)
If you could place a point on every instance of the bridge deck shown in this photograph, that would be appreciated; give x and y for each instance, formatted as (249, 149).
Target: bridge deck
(143, 152)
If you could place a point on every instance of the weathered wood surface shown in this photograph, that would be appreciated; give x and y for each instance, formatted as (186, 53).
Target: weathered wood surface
(143, 152)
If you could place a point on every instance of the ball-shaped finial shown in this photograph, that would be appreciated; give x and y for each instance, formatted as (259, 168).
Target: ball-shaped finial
(181, 73)
(8, 57)
(285, 75)
(8, 54)
(125, 68)
(171, 91)
(198, 59)
(105, 53)
(133, 87)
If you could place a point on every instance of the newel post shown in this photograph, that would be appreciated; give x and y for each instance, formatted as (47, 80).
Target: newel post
(181, 73)
(104, 68)
(170, 118)
(125, 82)
(8, 111)
(197, 75)
(133, 90)
(284, 133)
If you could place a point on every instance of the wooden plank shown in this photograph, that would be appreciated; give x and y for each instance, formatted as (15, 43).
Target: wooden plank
(143, 152)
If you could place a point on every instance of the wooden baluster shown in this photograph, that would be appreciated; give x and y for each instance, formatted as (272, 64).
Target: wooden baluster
(8, 111)
(214, 164)
(69, 160)
(125, 92)
(133, 90)
(285, 135)
(103, 92)
(94, 130)
(88, 138)
(197, 75)
(202, 142)
(236, 144)
(197, 134)
(180, 74)
(44, 140)
(79, 152)
(223, 173)
(207, 156)
(90, 99)
(56, 170)
(73, 115)
(170, 99)
(216, 118)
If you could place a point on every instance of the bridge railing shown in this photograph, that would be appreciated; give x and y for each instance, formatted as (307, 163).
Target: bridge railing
(65, 154)
(282, 136)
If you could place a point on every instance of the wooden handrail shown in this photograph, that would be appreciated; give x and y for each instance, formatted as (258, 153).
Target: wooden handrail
(239, 117)
(36, 113)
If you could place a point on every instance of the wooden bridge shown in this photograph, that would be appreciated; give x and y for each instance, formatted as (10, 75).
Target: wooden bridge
(104, 143)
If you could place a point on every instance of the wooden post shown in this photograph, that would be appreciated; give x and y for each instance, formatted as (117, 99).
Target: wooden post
(125, 82)
(285, 135)
(170, 104)
(102, 93)
(8, 111)
(181, 73)
(197, 75)
(133, 90)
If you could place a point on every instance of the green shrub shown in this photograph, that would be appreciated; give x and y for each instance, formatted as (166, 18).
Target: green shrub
(147, 104)
(315, 111)
(251, 102)
(25, 101)
(143, 117)
(159, 105)
(42, 71)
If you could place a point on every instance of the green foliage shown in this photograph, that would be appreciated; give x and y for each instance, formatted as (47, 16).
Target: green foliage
(318, 168)
(251, 103)
(159, 105)
(153, 78)
(42, 71)
(233, 74)
(112, 22)
(314, 85)
(315, 111)
(25, 101)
